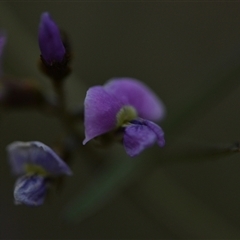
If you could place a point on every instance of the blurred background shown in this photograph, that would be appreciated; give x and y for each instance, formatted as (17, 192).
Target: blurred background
(189, 53)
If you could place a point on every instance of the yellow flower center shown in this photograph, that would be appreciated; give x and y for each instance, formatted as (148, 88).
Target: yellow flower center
(35, 169)
(125, 115)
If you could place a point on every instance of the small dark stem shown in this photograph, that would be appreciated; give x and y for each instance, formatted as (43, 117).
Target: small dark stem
(65, 117)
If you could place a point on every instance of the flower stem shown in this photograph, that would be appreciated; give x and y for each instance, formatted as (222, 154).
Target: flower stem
(62, 108)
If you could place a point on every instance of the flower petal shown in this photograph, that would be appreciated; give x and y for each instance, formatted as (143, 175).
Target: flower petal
(136, 138)
(35, 153)
(49, 39)
(157, 130)
(140, 135)
(30, 190)
(100, 112)
(133, 92)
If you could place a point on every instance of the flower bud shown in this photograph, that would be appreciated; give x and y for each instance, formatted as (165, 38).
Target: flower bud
(50, 42)
(54, 55)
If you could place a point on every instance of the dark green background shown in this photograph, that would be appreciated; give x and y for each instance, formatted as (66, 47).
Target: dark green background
(189, 53)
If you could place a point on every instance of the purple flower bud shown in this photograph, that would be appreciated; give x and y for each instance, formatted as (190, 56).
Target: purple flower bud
(127, 104)
(30, 190)
(50, 42)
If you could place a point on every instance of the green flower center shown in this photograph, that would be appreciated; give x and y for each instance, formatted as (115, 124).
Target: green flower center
(125, 115)
(35, 169)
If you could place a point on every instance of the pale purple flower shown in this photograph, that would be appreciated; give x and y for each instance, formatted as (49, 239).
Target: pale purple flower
(124, 104)
(34, 162)
(50, 41)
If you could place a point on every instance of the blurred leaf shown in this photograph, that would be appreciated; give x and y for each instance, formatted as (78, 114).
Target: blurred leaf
(102, 188)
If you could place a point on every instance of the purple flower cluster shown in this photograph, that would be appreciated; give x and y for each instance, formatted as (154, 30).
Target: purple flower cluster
(122, 107)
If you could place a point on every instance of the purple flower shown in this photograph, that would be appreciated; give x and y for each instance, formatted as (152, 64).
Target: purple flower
(50, 41)
(35, 163)
(3, 40)
(124, 104)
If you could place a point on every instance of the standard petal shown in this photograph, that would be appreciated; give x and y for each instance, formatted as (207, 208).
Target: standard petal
(100, 112)
(49, 39)
(30, 190)
(133, 92)
(18, 157)
(36, 153)
(136, 138)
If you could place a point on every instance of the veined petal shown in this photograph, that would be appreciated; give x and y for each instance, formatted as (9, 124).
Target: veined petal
(30, 190)
(157, 130)
(49, 39)
(136, 138)
(141, 134)
(134, 93)
(24, 154)
(100, 112)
